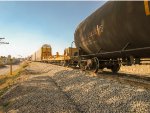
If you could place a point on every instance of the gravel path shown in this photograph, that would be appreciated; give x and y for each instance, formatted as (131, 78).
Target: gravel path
(46, 88)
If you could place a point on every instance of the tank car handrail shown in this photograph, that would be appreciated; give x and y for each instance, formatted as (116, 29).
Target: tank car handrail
(121, 52)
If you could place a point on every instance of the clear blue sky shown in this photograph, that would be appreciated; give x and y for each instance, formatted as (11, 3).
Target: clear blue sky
(28, 25)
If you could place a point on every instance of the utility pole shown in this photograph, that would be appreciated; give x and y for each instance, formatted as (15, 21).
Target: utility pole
(10, 65)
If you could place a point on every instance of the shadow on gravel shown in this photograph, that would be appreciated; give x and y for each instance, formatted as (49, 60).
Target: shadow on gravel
(94, 94)
(40, 94)
(75, 91)
(31, 72)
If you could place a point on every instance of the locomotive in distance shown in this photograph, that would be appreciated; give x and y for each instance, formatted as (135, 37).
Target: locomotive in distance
(44, 54)
(116, 33)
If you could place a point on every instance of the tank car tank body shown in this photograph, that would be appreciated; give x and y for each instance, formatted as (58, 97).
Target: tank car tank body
(118, 29)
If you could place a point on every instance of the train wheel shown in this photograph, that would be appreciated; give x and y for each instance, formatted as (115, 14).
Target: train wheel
(66, 63)
(61, 63)
(74, 64)
(95, 65)
(81, 64)
(115, 68)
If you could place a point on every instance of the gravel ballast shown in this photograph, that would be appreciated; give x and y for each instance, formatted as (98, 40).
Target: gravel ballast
(47, 88)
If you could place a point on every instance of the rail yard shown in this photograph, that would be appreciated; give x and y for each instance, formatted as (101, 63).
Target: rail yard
(108, 70)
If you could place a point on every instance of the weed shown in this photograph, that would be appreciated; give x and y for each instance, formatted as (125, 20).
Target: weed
(7, 81)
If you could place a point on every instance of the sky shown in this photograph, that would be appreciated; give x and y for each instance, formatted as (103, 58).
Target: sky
(27, 25)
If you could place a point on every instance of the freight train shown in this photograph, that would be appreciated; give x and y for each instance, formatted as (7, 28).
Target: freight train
(116, 33)
(44, 54)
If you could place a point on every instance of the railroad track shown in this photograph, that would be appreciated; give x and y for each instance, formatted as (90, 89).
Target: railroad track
(125, 78)
(132, 79)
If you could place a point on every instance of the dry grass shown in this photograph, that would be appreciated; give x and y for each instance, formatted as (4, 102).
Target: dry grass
(140, 70)
(7, 80)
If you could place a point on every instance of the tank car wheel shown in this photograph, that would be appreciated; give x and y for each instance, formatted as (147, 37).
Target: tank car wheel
(61, 63)
(115, 68)
(95, 64)
(65, 63)
(75, 64)
(81, 64)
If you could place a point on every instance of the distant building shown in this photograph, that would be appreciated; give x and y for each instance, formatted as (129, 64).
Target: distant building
(3, 60)
(6, 60)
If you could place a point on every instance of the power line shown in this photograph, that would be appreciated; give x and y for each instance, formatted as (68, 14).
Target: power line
(3, 42)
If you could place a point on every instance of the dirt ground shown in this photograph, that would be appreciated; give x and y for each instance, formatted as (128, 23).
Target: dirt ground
(47, 88)
(6, 69)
